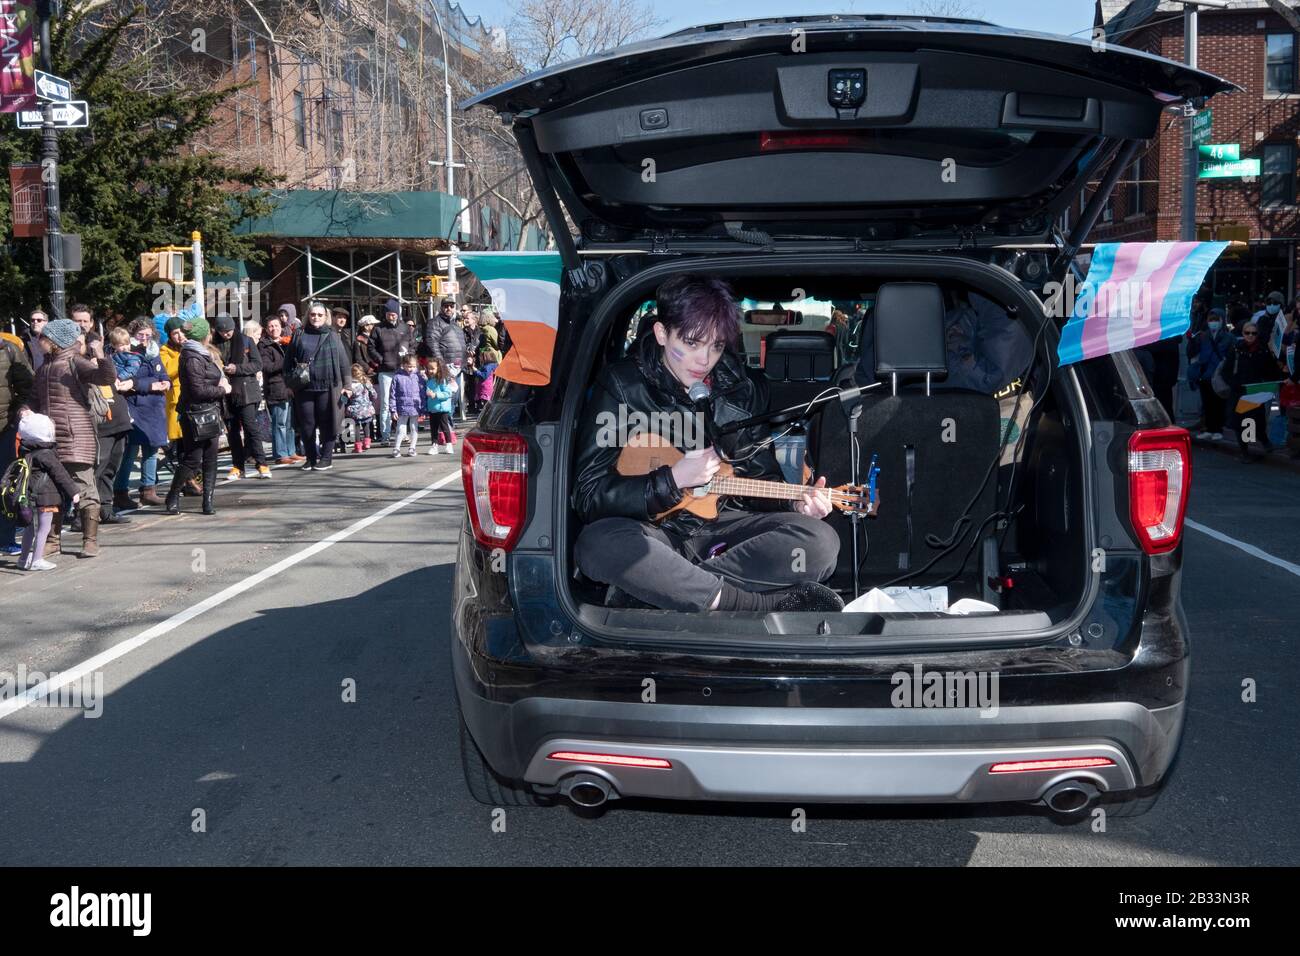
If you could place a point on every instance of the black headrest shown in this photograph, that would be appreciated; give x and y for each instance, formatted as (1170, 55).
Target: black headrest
(909, 318)
(799, 356)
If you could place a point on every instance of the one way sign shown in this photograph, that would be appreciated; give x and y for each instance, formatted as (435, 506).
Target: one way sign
(51, 87)
(66, 116)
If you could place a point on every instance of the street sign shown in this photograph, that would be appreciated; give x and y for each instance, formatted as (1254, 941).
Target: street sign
(450, 288)
(1229, 170)
(441, 262)
(73, 115)
(1201, 123)
(53, 88)
(71, 251)
(1218, 152)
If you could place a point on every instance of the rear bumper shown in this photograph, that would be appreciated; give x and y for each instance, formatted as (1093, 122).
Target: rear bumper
(823, 754)
(841, 775)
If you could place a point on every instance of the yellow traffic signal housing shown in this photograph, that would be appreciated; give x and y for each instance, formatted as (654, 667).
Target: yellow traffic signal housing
(163, 265)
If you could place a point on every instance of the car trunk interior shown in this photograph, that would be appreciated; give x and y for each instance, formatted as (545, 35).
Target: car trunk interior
(1019, 544)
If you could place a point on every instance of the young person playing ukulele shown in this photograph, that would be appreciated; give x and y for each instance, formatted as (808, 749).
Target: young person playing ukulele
(759, 554)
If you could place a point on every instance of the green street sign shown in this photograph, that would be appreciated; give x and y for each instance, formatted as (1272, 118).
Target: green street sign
(1201, 123)
(1218, 152)
(1229, 170)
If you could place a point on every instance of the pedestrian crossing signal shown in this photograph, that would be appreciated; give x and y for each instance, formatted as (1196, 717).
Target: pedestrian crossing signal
(428, 286)
(162, 266)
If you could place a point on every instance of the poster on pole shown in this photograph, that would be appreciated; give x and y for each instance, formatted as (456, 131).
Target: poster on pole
(17, 56)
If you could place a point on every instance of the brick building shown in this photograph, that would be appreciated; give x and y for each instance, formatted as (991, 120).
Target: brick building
(344, 100)
(1254, 47)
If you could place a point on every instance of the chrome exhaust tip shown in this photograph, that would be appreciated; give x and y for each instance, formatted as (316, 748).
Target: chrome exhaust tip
(587, 790)
(1070, 798)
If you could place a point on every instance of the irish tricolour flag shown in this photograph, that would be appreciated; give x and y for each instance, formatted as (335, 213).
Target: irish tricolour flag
(525, 290)
(1135, 293)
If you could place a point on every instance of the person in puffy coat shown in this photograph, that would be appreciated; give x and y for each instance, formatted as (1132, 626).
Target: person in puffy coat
(50, 484)
(60, 391)
(147, 400)
(439, 394)
(405, 399)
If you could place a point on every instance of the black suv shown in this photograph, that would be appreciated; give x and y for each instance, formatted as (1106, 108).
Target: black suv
(898, 162)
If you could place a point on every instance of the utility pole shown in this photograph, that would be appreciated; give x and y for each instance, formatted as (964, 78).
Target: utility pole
(1188, 230)
(46, 11)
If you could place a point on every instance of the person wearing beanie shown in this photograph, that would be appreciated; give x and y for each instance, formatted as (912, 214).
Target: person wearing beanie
(390, 342)
(49, 484)
(170, 356)
(61, 391)
(342, 320)
(242, 363)
(446, 342)
(203, 385)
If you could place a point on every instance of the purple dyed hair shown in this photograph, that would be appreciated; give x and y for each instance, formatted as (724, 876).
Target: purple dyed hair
(699, 307)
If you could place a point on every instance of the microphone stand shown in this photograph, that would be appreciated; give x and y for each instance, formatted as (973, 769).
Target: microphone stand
(802, 410)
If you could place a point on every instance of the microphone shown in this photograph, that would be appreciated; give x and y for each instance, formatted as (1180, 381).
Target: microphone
(699, 394)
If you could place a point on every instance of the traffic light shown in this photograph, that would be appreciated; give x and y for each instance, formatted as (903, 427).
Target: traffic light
(428, 286)
(163, 265)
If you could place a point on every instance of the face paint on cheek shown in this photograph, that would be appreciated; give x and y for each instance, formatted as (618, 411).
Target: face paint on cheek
(676, 353)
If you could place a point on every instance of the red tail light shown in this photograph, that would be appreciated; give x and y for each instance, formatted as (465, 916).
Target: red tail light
(494, 469)
(1159, 476)
(813, 139)
(1060, 763)
(614, 760)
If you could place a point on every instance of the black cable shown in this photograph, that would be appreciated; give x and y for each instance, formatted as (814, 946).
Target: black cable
(959, 528)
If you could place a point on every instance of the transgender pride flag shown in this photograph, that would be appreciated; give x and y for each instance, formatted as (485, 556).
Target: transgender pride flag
(1135, 293)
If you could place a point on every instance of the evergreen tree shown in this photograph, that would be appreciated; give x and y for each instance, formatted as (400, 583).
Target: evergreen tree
(130, 180)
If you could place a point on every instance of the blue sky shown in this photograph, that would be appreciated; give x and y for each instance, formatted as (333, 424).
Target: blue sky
(1049, 16)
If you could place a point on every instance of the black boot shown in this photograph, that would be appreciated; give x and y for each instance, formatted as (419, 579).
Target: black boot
(208, 492)
(173, 502)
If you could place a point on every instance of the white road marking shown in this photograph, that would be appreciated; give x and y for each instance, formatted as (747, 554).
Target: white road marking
(14, 704)
(1250, 549)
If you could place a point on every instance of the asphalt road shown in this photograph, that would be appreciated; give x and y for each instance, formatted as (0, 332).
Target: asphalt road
(239, 711)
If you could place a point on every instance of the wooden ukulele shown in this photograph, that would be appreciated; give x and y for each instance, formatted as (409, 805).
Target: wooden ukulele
(645, 452)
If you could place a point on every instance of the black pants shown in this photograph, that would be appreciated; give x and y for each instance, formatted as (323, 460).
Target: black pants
(1214, 408)
(112, 448)
(757, 551)
(245, 436)
(198, 456)
(316, 414)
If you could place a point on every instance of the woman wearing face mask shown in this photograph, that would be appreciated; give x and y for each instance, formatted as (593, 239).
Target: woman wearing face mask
(1210, 346)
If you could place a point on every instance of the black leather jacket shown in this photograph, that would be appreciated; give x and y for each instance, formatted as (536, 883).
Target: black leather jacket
(642, 383)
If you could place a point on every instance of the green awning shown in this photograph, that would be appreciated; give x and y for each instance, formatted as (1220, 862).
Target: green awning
(337, 214)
